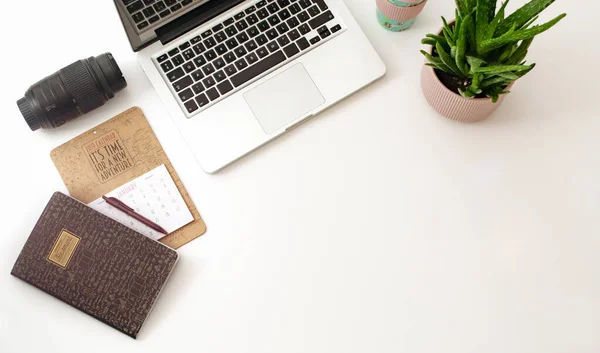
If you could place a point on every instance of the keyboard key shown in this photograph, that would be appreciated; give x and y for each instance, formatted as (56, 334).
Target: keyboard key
(154, 19)
(210, 55)
(136, 6)
(294, 35)
(261, 40)
(178, 60)
(209, 82)
(221, 49)
(173, 51)
(198, 87)
(199, 48)
(175, 7)
(241, 64)
(273, 46)
(185, 95)
(207, 34)
(189, 67)
(322, 5)
(228, 21)
(195, 40)
(170, 2)
(230, 70)
(250, 10)
(253, 32)
(272, 33)
(305, 3)
(231, 31)
(197, 75)
(212, 94)
(202, 100)
(303, 16)
(186, 2)
(252, 19)
(220, 76)
(242, 37)
(225, 87)
(283, 41)
(183, 83)
(166, 66)
(282, 28)
(313, 11)
(324, 34)
(138, 17)
(304, 29)
(263, 26)
(142, 25)
(321, 19)
(240, 51)
(258, 69)
(251, 59)
(251, 45)
(274, 20)
(283, 3)
(241, 25)
(210, 42)
(293, 22)
(162, 58)
(262, 14)
(220, 37)
(229, 57)
(219, 63)
(199, 61)
(159, 6)
(315, 40)
(191, 106)
(231, 43)
(165, 13)
(295, 8)
(188, 54)
(336, 28)
(175, 74)
(285, 14)
(239, 15)
(272, 8)
(303, 43)
(209, 69)
(217, 28)
(262, 52)
(261, 4)
(291, 50)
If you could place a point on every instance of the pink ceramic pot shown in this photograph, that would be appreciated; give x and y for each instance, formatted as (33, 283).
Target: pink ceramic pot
(453, 105)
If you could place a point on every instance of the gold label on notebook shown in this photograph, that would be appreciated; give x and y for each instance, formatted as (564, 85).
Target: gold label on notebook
(108, 156)
(63, 248)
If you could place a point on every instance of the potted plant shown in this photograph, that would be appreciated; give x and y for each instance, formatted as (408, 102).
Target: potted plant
(474, 60)
(398, 15)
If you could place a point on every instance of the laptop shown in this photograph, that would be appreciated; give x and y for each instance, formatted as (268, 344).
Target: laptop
(235, 74)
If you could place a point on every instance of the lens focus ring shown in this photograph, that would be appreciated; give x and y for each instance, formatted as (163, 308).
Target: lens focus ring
(80, 83)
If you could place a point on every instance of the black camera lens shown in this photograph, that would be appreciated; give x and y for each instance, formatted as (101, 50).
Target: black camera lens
(72, 91)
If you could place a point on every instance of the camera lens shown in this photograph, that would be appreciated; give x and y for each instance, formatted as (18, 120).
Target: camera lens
(72, 91)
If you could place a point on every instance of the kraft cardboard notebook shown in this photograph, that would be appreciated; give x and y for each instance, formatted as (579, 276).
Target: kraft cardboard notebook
(113, 154)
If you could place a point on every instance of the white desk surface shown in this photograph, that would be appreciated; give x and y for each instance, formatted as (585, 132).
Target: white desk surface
(379, 226)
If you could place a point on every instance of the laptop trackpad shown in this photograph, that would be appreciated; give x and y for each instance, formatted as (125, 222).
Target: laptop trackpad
(284, 98)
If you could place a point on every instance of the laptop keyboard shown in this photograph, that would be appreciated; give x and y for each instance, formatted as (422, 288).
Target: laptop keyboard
(146, 14)
(221, 60)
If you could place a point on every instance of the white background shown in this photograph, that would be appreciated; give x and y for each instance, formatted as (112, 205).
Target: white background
(378, 226)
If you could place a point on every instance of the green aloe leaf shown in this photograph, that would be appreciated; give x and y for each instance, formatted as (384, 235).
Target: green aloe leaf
(522, 34)
(475, 63)
(523, 15)
(461, 45)
(491, 8)
(519, 54)
(491, 29)
(437, 62)
(493, 81)
(428, 41)
(481, 20)
(501, 68)
(448, 61)
(530, 22)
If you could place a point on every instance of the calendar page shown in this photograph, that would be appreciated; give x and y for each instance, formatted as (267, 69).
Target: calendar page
(153, 195)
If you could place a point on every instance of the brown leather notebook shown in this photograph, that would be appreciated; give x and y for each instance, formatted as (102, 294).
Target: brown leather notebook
(95, 264)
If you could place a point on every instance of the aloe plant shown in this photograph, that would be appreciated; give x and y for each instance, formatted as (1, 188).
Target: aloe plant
(484, 49)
